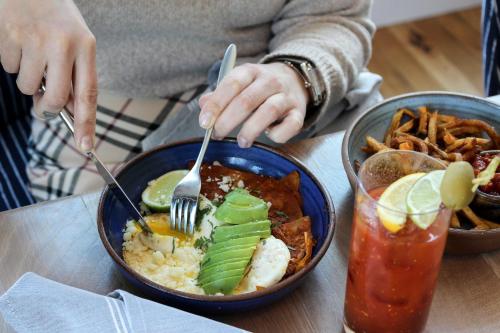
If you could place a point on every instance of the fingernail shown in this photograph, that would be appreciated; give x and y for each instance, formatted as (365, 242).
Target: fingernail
(243, 143)
(86, 144)
(205, 120)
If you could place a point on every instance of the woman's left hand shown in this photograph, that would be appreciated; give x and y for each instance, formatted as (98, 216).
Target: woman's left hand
(267, 98)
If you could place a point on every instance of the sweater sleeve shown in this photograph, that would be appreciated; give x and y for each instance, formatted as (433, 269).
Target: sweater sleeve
(334, 35)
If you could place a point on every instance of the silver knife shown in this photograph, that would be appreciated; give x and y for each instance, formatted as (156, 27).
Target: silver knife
(113, 185)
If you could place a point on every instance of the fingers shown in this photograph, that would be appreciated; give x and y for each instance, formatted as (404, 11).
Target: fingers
(288, 128)
(10, 57)
(85, 95)
(31, 72)
(58, 80)
(243, 105)
(272, 110)
(237, 80)
(203, 99)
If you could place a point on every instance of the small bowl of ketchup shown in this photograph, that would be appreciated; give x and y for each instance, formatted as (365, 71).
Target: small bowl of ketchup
(486, 203)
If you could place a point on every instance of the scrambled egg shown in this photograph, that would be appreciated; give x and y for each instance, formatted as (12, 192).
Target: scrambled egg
(170, 258)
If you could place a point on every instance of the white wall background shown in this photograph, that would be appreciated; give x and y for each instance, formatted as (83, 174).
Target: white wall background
(387, 12)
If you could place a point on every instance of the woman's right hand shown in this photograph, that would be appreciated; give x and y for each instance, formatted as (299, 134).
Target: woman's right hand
(51, 36)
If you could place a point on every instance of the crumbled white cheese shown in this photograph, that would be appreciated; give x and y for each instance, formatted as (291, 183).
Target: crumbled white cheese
(241, 184)
(226, 179)
(224, 187)
(217, 163)
(209, 179)
(269, 204)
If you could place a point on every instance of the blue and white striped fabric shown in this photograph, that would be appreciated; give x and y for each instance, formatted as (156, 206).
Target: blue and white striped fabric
(490, 40)
(14, 134)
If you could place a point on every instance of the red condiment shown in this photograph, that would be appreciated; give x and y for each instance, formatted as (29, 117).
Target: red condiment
(479, 164)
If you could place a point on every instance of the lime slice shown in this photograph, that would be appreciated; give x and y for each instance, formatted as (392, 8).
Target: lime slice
(424, 196)
(158, 194)
(457, 184)
(392, 208)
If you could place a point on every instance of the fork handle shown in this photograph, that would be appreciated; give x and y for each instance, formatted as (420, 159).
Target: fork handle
(226, 66)
(203, 149)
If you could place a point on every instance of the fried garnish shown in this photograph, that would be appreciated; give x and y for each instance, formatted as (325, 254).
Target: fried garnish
(297, 235)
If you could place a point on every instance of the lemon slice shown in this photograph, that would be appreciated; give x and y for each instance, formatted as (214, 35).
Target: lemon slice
(158, 194)
(392, 209)
(457, 184)
(424, 198)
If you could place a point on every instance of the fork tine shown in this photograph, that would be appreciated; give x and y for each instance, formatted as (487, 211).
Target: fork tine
(173, 207)
(192, 216)
(178, 215)
(185, 215)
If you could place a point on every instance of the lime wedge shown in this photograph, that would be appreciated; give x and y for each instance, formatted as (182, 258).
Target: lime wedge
(392, 205)
(158, 194)
(457, 184)
(424, 199)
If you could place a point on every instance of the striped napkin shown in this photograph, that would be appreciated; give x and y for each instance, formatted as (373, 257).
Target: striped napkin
(35, 305)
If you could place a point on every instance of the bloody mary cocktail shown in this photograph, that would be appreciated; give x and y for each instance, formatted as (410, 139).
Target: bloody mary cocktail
(391, 274)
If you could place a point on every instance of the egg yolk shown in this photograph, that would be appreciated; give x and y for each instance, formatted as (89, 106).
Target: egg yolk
(160, 224)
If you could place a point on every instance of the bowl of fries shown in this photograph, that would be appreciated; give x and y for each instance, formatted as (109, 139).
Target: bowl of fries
(447, 126)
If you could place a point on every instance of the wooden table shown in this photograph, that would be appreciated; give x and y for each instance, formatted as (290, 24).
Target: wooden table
(59, 240)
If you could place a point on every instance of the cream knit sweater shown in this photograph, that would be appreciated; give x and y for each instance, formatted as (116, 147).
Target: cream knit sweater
(163, 47)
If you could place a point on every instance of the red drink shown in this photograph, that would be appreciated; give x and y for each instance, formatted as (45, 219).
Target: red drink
(391, 276)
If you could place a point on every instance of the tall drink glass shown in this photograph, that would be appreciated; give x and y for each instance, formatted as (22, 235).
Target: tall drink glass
(391, 276)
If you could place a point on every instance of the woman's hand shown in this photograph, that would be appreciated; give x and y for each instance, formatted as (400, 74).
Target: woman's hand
(51, 36)
(267, 98)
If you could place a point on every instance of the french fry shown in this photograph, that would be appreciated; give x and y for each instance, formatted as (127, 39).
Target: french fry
(422, 121)
(455, 222)
(464, 131)
(481, 125)
(406, 127)
(374, 146)
(476, 220)
(419, 144)
(395, 123)
(447, 138)
(444, 118)
(432, 129)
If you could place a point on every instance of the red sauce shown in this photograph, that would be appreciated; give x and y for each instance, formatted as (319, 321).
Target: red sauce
(391, 277)
(479, 164)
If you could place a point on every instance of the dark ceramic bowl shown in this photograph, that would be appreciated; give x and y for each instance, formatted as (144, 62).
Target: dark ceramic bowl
(375, 121)
(260, 159)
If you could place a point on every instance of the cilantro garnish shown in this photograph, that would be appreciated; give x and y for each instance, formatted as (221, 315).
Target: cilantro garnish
(202, 243)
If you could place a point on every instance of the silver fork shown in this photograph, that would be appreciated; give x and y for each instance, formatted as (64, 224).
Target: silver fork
(184, 204)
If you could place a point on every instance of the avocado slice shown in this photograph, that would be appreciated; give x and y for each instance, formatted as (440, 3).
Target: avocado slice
(226, 232)
(209, 265)
(225, 286)
(233, 242)
(218, 257)
(261, 234)
(221, 275)
(239, 207)
(210, 252)
(222, 267)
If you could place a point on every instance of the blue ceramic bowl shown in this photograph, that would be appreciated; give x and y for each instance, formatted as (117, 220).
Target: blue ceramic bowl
(374, 122)
(134, 177)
